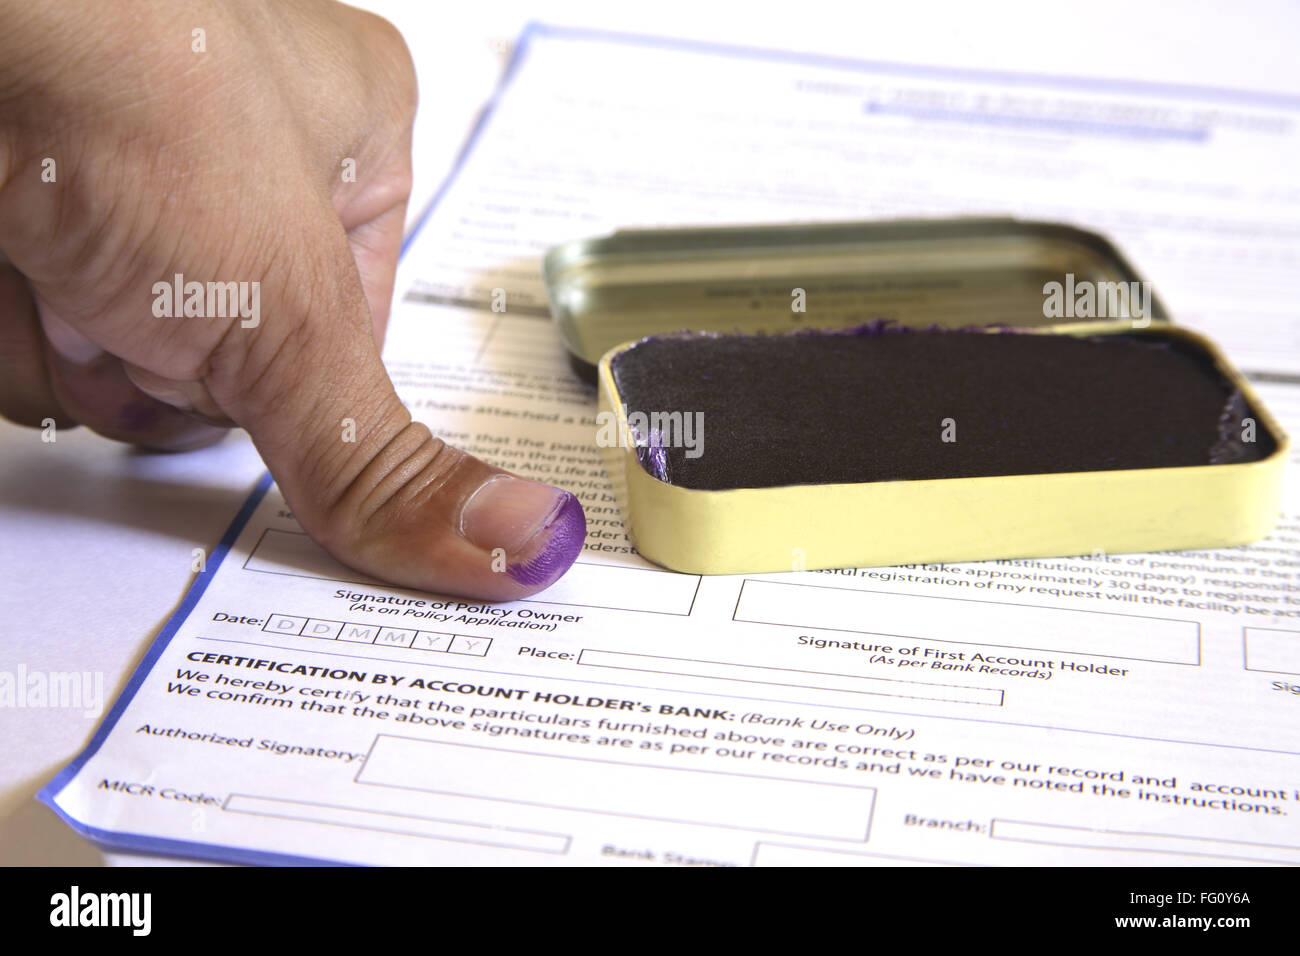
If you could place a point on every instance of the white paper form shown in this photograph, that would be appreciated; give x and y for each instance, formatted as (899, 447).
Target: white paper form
(1114, 709)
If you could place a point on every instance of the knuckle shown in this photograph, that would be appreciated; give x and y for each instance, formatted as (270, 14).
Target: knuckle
(407, 477)
(392, 52)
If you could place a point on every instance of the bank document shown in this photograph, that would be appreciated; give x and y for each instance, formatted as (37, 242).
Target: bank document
(1101, 710)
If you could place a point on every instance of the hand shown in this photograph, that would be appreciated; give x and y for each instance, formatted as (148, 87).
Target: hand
(262, 149)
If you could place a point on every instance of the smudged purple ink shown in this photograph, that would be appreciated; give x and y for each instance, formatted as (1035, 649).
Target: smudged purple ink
(1231, 427)
(139, 416)
(652, 454)
(567, 531)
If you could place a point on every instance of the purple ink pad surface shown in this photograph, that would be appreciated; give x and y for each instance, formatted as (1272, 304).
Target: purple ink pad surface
(889, 404)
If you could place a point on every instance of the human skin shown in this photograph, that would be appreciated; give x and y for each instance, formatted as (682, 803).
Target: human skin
(129, 156)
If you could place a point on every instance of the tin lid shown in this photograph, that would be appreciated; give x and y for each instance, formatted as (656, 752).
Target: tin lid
(950, 273)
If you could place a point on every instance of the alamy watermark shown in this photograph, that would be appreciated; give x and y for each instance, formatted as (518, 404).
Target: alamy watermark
(1084, 299)
(208, 300)
(132, 911)
(656, 430)
(76, 690)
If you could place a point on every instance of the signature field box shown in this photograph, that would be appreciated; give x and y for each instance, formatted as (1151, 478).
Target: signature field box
(1272, 651)
(965, 621)
(792, 679)
(1068, 836)
(402, 824)
(619, 587)
(834, 811)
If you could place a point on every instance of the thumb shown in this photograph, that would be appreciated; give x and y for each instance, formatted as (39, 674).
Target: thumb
(376, 489)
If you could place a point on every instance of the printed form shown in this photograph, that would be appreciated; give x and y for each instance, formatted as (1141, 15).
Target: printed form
(1102, 710)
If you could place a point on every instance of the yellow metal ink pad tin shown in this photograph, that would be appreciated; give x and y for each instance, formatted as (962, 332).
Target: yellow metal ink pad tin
(1030, 470)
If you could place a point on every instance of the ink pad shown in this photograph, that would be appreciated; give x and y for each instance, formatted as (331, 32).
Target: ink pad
(944, 396)
(886, 403)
